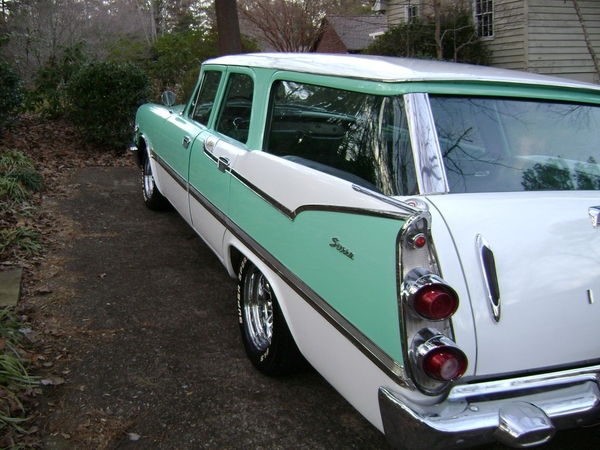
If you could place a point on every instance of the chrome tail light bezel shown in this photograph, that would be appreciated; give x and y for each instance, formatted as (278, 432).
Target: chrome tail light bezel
(417, 269)
(418, 280)
(427, 342)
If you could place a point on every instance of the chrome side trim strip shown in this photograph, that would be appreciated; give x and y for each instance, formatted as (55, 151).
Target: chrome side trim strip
(292, 214)
(490, 276)
(410, 210)
(178, 178)
(407, 210)
(388, 365)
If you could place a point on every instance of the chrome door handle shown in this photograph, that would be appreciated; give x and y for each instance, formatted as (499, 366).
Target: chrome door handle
(223, 164)
(186, 141)
(594, 212)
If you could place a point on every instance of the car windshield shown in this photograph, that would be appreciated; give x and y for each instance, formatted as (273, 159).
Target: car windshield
(500, 145)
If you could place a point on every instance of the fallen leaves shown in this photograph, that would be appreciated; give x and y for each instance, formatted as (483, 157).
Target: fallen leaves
(56, 151)
(52, 381)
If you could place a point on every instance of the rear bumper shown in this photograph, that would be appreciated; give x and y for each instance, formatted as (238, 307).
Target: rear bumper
(517, 412)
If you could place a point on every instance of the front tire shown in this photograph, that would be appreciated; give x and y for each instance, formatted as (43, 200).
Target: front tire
(153, 199)
(265, 334)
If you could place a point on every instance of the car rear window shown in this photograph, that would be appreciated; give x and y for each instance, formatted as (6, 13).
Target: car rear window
(499, 145)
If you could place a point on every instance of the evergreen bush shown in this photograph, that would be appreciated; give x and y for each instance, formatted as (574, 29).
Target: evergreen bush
(11, 96)
(103, 100)
(50, 94)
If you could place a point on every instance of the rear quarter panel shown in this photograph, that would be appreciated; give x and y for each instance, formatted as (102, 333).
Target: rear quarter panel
(294, 214)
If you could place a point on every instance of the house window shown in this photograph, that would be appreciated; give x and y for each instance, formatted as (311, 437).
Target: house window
(411, 12)
(484, 17)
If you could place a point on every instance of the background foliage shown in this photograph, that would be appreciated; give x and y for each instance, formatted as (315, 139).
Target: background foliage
(416, 38)
(11, 96)
(54, 45)
(103, 98)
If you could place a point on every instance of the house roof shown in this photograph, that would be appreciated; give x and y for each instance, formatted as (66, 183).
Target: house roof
(355, 31)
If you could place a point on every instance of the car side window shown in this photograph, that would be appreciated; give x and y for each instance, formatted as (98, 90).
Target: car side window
(206, 97)
(359, 137)
(234, 120)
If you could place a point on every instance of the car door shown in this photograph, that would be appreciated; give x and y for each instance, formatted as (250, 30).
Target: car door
(213, 155)
(173, 152)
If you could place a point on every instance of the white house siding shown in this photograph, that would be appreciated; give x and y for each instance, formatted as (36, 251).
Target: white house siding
(508, 45)
(556, 40)
(543, 36)
(395, 12)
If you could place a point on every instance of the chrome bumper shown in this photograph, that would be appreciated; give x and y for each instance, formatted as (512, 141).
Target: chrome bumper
(518, 412)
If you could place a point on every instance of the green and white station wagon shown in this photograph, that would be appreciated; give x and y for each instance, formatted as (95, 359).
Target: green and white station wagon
(424, 234)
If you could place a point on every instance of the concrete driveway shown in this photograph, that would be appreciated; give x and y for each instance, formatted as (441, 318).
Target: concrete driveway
(153, 357)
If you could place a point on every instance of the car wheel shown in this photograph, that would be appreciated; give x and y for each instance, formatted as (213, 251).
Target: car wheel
(266, 336)
(153, 199)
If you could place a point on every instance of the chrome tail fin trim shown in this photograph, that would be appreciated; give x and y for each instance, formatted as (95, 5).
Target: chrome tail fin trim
(490, 276)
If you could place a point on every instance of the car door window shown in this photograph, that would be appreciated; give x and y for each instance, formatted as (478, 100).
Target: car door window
(234, 120)
(359, 137)
(206, 97)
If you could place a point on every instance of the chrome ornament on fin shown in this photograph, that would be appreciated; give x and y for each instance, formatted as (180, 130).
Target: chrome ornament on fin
(594, 212)
(490, 276)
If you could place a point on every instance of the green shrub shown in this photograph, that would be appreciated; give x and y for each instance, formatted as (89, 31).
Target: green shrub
(176, 58)
(50, 94)
(11, 96)
(18, 177)
(103, 100)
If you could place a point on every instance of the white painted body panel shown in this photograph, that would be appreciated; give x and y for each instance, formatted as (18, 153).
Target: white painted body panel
(341, 363)
(547, 257)
(390, 69)
(176, 194)
(254, 165)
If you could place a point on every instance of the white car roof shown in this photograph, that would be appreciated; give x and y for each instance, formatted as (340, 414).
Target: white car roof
(391, 69)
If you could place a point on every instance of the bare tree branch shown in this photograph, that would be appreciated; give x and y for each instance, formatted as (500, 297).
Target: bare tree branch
(586, 36)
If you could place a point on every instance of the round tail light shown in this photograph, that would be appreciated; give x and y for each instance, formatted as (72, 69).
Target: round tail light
(435, 302)
(445, 363)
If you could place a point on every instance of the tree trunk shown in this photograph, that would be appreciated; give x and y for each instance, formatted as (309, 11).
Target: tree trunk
(438, 28)
(228, 27)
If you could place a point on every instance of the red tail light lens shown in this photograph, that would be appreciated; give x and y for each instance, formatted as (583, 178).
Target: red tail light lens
(445, 363)
(435, 302)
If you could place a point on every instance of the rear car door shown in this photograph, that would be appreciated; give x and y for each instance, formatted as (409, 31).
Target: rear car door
(213, 155)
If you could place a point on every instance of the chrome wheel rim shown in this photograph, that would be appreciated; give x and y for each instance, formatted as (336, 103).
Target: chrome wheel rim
(148, 179)
(258, 309)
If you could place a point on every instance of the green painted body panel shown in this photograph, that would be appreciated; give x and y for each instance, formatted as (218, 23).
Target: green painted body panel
(362, 289)
(206, 178)
(171, 148)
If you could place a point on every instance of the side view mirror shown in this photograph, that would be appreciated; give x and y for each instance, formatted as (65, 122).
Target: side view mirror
(168, 98)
